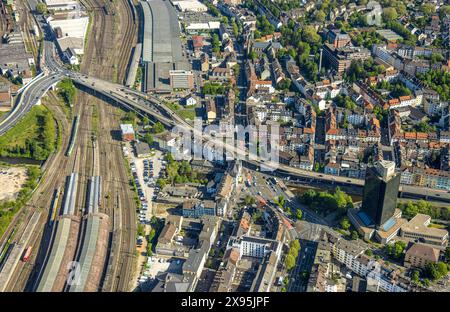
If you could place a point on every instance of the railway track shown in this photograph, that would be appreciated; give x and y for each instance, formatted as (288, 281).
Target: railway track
(112, 64)
(107, 57)
(41, 200)
(130, 35)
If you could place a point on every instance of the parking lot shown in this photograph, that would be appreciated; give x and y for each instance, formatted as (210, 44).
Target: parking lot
(145, 173)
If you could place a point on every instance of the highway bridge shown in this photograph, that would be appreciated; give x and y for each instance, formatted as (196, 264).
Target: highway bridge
(145, 104)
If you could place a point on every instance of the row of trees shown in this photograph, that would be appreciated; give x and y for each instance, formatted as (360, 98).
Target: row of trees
(291, 257)
(410, 209)
(397, 27)
(216, 44)
(156, 227)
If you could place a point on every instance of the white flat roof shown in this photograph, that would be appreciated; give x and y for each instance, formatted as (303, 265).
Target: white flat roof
(60, 2)
(193, 5)
(127, 128)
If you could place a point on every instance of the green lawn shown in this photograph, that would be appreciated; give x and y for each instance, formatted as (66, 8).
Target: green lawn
(33, 137)
(3, 113)
(186, 113)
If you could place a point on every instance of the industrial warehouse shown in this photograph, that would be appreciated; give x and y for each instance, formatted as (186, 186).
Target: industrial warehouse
(161, 49)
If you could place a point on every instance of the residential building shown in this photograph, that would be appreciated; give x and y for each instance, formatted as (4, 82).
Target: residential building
(419, 255)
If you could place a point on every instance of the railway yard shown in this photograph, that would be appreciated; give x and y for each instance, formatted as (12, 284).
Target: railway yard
(84, 207)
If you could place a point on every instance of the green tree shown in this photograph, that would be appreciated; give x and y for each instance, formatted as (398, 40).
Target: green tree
(140, 230)
(148, 138)
(41, 8)
(298, 214)
(320, 16)
(447, 254)
(295, 246)
(396, 250)
(308, 197)
(415, 276)
(145, 121)
(354, 235)
(436, 271)
(149, 249)
(158, 127)
(161, 183)
(216, 43)
(389, 14)
(310, 35)
(428, 8)
(67, 91)
(289, 262)
(249, 200)
(345, 224)
(284, 84)
(444, 10)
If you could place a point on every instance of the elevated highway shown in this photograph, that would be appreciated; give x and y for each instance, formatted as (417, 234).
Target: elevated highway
(145, 104)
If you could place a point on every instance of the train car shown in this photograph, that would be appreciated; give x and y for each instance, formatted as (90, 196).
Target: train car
(27, 254)
(249, 180)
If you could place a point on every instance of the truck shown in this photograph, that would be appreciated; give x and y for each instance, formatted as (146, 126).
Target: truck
(27, 254)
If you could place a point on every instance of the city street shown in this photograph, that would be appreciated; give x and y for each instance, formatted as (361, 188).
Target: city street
(298, 278)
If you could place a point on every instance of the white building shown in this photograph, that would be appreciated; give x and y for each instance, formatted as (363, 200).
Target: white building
(61, 5)
(71, 56)
(190, 101)
(190, 5)
(256, 247)
(73, 31)
(203, 26)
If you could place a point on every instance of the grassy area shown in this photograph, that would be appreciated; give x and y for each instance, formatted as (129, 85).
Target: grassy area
(33, 137)
(95, 117)
(437, 226)
(185, 113)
